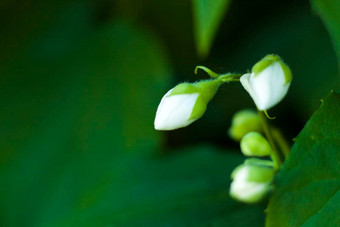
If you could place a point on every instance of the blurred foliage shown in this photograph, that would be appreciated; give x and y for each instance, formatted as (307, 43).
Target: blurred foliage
(329, 12)
(80, 82)
(207, 17)
(307, 187)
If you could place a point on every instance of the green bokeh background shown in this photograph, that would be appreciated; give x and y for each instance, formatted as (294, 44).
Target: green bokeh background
(80, 82)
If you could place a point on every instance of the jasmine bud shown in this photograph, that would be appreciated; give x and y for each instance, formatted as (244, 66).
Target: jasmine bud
(244, 121)
(254, 144)
(251, 181)
(184, 104)
(268, 82)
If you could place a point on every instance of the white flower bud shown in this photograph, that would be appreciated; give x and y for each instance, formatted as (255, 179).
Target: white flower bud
(251, 181)
(254, 144)
(268, 83)
(184, 104)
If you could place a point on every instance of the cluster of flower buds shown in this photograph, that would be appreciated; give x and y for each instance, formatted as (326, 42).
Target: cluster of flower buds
(252, 181)
(267, 84)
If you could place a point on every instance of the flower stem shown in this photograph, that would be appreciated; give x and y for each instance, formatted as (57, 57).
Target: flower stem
(228, 77)
(208, 71)
(275, 154)
(281, 142)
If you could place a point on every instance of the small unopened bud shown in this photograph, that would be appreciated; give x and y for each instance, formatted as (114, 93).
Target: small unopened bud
(184, 104)
(268, 82)
(251, 181)
(244, 121)
(254, 144)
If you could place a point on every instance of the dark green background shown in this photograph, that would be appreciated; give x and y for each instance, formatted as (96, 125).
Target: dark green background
(80, 82)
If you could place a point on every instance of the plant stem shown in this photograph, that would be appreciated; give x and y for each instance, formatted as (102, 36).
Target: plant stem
(275, 155)
(281, 142)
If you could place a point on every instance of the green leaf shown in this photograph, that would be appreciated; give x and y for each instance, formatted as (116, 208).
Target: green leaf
(307, 187)
(329, 13)
(207, 17)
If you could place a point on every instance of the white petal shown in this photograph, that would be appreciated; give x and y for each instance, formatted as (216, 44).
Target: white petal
(174, 111)
(248, 191)
(269, 86)
(246, 83)
(242, 173)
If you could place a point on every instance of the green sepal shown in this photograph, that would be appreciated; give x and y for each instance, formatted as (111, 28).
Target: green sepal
(184, 88)
(259, 162)
(206, 90)
(264, 63)
(287, 72)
